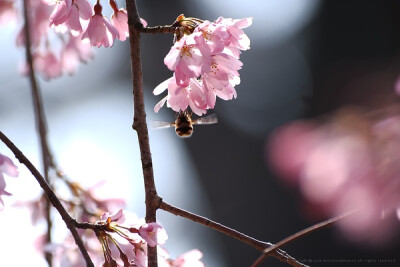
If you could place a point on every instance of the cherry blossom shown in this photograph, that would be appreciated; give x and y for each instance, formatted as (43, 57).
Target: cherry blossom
(153, 233)
(117, 217)
(67, 15)
(100, 31)
(205, 61)
(179, 98)
(236, 40)
(119, 20)
(187, 58)
(221, 79)
(7, 167)
(349, 163)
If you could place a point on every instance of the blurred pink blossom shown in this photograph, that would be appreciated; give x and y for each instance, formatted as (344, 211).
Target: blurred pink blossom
(397, 86)
(38, 16)
(189, 259)
(73, 53)
(348, 163)
(95, 203)
(7, 167)
(8, 12)
(47, 64)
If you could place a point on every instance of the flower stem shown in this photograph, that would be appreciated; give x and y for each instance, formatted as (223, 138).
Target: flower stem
(139, 122)
(69, 221)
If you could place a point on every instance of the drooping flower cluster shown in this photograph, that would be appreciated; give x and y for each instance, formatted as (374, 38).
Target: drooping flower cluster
(77, 26)
(349, 163)
(72, 14)
(52, 53)
(6, 167)
(205, 62)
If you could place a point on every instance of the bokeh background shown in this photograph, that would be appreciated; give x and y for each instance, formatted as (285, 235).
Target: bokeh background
(307, 58)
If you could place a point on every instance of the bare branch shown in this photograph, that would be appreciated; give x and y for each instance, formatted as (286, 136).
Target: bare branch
(260, 245)
(69, 221)
(40, 118)
(299, 234)
(158, 29)
(139, 122)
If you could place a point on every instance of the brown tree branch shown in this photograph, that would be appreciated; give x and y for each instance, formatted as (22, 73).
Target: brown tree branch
(69, 221)
(299, 234)
(153, 201)
(139, 121)
(158, 29)
(260, 245)
(47, 159)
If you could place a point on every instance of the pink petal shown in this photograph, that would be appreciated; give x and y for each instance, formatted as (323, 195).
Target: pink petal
(85, 9)
(7, 166)
(160, 104)
(59, 14)
(143, 22)
(161, 87)
(73, 21)
(120, 22)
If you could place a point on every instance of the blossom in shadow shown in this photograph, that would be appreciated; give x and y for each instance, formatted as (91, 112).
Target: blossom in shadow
(349, 162)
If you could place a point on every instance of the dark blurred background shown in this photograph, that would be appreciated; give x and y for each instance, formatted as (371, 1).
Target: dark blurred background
(307, 58)
(335, 53)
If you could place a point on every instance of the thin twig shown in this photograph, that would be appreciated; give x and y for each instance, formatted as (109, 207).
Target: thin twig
(139, 122)
(260, 245)
(40, 118)
(69, 221)
(299, 234)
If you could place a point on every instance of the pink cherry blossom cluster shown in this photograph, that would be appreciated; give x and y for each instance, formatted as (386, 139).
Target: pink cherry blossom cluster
(72, 14)
(6, 167)
(349, 163)
(77, 26)
(205, 61)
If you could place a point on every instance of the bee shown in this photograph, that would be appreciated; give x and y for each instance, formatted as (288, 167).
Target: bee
(184, 123)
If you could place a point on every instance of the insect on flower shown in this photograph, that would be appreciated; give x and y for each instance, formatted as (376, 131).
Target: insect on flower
(184, 123)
